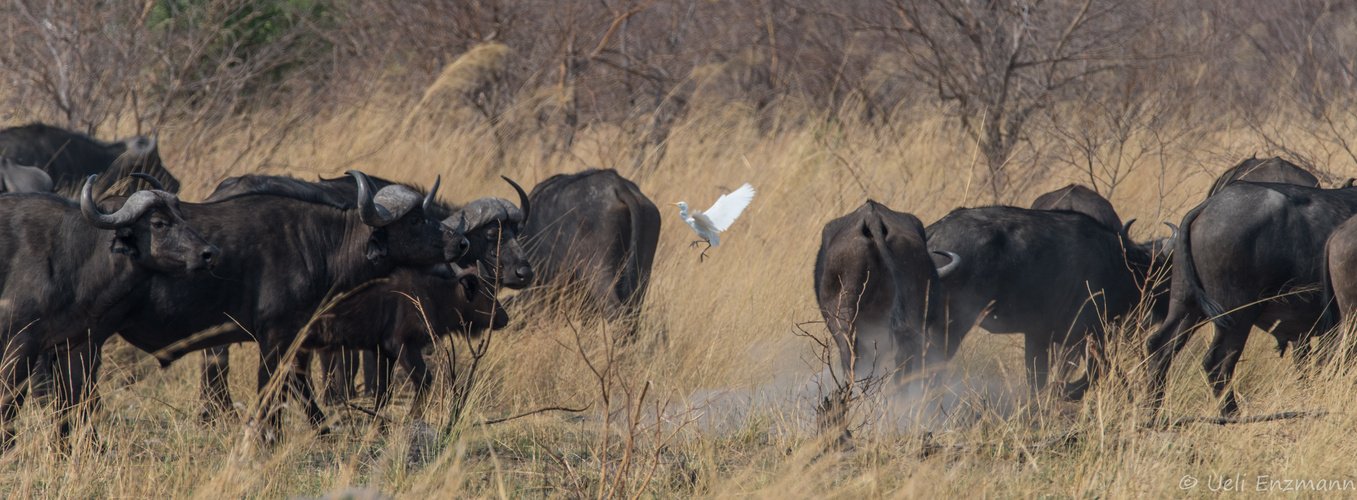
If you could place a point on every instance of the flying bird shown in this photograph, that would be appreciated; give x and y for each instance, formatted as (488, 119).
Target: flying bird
(717, 218)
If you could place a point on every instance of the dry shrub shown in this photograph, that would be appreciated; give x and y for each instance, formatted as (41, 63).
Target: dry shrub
(464, 93)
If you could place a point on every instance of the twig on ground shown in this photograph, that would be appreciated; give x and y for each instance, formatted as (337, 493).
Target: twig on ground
(366, 411)
(1253, 419)
(930, 447)
(534, 412)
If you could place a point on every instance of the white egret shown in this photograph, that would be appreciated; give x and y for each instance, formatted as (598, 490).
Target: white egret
(718, 218)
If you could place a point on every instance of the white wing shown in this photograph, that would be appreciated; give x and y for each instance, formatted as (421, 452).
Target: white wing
(723, 213)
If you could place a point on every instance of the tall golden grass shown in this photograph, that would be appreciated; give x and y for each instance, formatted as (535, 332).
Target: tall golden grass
(724, 327)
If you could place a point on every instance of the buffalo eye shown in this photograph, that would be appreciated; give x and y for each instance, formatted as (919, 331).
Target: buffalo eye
(159, 224)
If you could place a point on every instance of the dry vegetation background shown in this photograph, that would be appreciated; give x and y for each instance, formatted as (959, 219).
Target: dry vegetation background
(925, 105)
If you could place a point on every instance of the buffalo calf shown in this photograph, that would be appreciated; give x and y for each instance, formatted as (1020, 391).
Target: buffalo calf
(879, 292)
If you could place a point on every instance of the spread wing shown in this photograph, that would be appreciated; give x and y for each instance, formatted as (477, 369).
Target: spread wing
(723, 213)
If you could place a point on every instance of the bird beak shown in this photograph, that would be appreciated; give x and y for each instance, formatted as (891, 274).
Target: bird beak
(673, 204)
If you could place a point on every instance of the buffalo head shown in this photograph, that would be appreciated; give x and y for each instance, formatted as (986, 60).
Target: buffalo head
(492, 227)
(400, 229)
(150, 230)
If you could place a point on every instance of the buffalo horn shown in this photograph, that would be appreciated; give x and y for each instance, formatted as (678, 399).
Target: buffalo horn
(367, 209)
(1126, 228)
(150, 179)
(1172, 239)
(132, 209)
(1349, 183)
(428, 198)
(523, 203)
(950, 266)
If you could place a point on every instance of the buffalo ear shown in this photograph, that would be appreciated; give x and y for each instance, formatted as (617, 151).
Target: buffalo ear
(123, 242)
(377, 246)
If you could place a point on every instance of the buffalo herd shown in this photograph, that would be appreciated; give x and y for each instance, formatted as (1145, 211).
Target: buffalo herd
(355, 270)
(363, 272)
(1267, 248)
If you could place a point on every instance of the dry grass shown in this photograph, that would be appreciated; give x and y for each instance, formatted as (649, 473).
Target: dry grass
(723, 327)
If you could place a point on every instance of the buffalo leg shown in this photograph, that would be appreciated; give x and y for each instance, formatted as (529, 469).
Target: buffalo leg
(379, 374)
(216, 392)
(1220, 364)
(419, 376)
(1165, 344)
(371, 375)
(338, 368)
(40, 378)
(76, 370)
(1036, 359)
(20, 354)
(1095, 364)
(299, 382)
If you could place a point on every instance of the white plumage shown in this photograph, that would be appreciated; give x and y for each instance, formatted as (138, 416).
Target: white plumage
(719, 217)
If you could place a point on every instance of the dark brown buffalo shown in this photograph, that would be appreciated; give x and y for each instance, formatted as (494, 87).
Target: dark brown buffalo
(69, 157)
(1273, 169)
(490, 226)
(68, 277)
(1340, 286)
(15, 178)
(285, 259)
(879, 293)
(1251, 255)
(417, 307)
(1077, 198)
(593, 233)
(494, 257)
(1056, 277)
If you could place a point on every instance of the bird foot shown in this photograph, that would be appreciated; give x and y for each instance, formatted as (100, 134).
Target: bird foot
(702, 256)
(695, 242)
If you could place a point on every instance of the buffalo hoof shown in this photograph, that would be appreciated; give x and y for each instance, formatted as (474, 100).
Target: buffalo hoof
(1229, 407)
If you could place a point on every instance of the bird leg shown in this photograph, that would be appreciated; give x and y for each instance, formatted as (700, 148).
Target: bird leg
(703, 255)
(695, 242)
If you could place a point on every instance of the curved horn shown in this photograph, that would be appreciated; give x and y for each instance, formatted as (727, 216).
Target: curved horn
(132, 209)
(1349, 183)
(1126, 228)
(523, 203)
(428, 198)
(367, 209)
(1172, 239)
(150, 179)
(951, 266)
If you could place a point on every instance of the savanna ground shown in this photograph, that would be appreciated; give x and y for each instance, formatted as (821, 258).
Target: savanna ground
(713, 395)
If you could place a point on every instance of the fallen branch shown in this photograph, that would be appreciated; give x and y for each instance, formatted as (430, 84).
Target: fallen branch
(932, 448)
(534, 412)
(1286, 415)
(366, 411)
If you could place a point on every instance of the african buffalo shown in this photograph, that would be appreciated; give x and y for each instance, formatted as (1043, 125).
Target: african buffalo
(490, 225)
(69, 275)
(879, 292)
(1056, 277)
(493, 225)
(1251, 255)
(69, 157)
(285, 260)
(15, 178)
(1077, 198)
(1272, 169)
(415, 307)
(595, 231)
(1339, 280)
